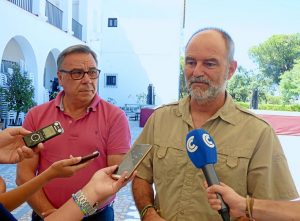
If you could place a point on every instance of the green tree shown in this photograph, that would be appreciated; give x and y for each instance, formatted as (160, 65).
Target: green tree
(290, 84)
(264, 85)
(276, 55)
(244, 81)
(182, 84)
(239, 85)
(19, 92)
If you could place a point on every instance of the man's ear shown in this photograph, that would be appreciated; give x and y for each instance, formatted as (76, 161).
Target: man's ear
(59, 76)
(232, 68)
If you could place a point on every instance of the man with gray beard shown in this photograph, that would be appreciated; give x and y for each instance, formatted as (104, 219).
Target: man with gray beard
(250, 157)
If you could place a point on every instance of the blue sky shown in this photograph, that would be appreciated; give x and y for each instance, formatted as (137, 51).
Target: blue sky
(248, 22)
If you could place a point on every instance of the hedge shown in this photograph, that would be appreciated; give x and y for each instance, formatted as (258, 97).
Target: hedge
(275, 107)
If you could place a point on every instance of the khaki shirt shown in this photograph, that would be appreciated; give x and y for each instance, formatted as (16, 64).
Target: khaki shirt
(250, 160)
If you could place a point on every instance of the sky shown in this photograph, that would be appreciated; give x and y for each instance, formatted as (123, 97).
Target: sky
(248, 22)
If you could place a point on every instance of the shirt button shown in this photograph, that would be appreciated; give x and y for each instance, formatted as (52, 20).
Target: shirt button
(70, 122)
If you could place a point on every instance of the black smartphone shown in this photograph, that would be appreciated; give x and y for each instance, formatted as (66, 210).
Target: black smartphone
(132, 160)
(88, 157)
(42, 135)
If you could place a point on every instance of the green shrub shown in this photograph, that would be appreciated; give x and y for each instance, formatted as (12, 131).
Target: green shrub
(243, 104)
(275, 107)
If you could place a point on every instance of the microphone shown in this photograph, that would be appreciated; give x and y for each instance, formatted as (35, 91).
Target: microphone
(201, 150)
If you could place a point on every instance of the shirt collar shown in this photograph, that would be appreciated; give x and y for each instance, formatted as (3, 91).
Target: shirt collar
(184, 110)
(59, 102)
(227, 112)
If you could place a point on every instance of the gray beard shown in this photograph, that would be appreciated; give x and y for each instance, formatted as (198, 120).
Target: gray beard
(205, 96)
(208, 95)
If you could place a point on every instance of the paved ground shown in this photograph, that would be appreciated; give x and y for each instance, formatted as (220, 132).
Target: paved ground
(125, 209)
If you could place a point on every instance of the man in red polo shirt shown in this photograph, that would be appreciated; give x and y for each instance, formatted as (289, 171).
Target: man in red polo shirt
(89, 123)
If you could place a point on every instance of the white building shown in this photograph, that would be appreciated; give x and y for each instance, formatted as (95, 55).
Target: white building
(143, 49)
(137, 43)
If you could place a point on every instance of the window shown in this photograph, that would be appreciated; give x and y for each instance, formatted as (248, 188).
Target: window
(112, 22)
(110, 80)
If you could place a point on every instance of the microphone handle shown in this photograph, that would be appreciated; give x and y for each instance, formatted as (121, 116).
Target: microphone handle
(212, 178)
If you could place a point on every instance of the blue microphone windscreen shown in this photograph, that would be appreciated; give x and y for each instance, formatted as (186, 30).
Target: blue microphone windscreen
(201, 148)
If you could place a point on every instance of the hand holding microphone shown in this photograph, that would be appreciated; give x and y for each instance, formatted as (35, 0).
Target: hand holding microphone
(202, 152)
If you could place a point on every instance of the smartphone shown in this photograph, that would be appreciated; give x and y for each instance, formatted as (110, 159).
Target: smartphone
(42, 135)
(132, 160)
(88, 157)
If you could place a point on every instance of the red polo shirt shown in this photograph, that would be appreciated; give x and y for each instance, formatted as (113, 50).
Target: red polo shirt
(104, 127)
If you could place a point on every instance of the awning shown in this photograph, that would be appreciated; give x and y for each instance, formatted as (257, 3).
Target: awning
(283, 125)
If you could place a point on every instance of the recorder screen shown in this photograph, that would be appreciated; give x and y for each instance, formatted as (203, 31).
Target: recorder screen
(49, 131)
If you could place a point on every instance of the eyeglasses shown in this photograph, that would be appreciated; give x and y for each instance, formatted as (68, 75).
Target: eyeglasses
(79, 74)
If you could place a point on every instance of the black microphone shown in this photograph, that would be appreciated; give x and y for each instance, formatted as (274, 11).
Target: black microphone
(201, 150)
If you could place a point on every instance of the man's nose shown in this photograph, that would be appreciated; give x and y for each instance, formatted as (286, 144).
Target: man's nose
(198, 70)
(86, 78)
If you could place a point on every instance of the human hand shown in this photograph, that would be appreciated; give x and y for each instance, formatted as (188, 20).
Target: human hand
(65, 168)
(103, 185)
(12, 147)
(2, 185)
(236, 203)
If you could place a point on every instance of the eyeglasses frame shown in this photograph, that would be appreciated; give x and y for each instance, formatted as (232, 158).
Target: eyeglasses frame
(82, 71)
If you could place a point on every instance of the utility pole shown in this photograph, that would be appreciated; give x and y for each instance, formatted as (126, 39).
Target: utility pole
(183, 18)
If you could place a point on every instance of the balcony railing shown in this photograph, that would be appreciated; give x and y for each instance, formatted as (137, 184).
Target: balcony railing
(54, 15)
(7, 64)
(25, 4)
(77, 29)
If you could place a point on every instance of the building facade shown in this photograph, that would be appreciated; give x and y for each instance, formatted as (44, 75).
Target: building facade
(137, 43)
(140, 45)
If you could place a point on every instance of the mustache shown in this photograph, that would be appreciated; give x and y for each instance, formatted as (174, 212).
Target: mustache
(200, 79)
(87, 89)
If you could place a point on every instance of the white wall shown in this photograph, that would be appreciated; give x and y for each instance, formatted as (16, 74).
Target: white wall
(12, 52)
(36, 38)
(142, 50)
(291, 148)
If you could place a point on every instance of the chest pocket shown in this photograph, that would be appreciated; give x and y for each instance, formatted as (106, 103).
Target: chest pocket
(168, 162)
(232, 167)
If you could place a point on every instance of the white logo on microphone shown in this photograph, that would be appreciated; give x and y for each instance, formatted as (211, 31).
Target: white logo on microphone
(190, 146)
(207, 141)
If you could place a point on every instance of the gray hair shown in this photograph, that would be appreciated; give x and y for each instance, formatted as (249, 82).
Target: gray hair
(228, 40)
(75, 49)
